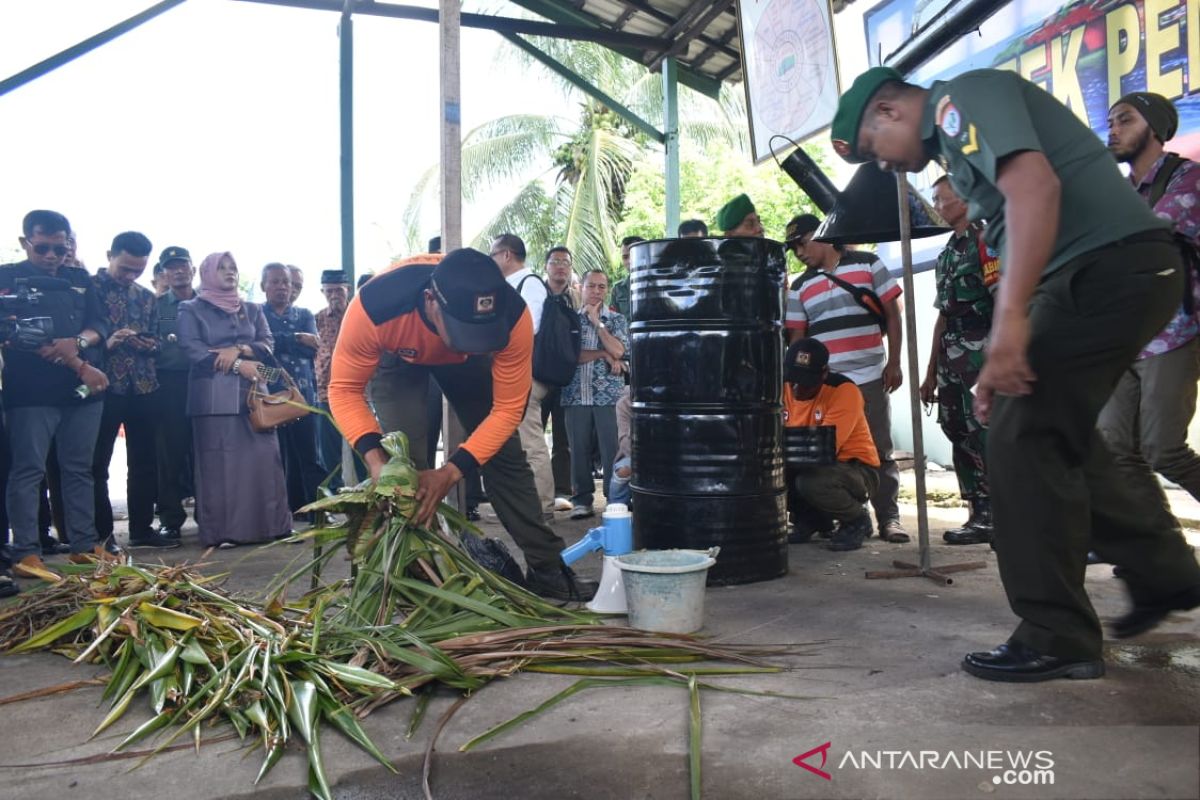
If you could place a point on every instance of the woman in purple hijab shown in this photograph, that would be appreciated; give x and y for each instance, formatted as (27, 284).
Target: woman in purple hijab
(241, 494)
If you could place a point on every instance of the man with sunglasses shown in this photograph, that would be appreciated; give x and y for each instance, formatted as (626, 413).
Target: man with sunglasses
(51, 390)
(850, 302)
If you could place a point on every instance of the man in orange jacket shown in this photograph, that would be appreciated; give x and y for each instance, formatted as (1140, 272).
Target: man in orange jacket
(457, 319)
(815, 397)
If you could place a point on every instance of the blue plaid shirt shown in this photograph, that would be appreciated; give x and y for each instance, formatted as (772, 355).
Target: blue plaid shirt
(594, 384)
(296, 358)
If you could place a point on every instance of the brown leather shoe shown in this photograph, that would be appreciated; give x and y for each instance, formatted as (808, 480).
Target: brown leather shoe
(97, 555)
(34, 567)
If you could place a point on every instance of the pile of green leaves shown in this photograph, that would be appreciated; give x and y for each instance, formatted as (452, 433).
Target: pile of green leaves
(417, 613)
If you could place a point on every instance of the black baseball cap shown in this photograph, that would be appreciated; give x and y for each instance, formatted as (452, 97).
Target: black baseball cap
(805, 362)
(333, 277)
(170, 254)
(799, 226)
(473, 296)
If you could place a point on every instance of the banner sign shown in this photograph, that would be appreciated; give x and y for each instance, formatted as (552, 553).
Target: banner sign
(1087, 54)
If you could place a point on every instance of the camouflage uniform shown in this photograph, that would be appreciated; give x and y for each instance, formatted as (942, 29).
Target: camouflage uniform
(964, 297)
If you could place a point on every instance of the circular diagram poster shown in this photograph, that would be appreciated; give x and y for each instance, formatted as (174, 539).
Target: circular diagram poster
(789, 65)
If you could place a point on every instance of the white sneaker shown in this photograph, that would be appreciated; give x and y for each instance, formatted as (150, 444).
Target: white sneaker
(562, 504)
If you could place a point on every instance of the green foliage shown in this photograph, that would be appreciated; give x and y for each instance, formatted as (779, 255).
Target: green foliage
(708, 178)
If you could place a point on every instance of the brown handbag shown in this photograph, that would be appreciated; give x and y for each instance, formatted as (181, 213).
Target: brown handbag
(270, 411)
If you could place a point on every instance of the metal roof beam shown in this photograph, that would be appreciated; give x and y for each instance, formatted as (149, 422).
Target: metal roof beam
(711, 50)
(681, 39)
(661, 16)
(552, 9)
(587, 87)
(87, 45)
(603, 36)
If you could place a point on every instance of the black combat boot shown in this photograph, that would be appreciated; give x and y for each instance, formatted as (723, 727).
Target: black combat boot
(977, 530)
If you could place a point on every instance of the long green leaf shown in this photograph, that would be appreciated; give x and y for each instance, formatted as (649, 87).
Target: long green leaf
(695, 732)
(345, 721)
(80, 619)
(570, 691)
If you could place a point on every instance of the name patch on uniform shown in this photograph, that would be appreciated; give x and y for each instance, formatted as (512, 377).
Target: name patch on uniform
(949, 120)
(990, 261)
(485, 303)
(405, 352)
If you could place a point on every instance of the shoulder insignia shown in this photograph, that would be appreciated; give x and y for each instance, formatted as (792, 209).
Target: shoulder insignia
(948, 117)
(972, 143)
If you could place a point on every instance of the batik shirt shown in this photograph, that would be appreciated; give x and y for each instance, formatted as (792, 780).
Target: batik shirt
(296, 358)
(1179, 205)
(594, 383)
(129, 371)
(328, 325)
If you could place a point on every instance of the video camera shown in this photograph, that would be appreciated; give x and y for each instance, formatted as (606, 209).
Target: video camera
(19, 325)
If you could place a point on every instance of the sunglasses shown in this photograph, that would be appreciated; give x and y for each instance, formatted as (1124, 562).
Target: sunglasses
(42, 249)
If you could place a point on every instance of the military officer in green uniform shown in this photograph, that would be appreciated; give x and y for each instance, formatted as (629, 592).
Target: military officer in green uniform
(967, 273)
(1090, 274)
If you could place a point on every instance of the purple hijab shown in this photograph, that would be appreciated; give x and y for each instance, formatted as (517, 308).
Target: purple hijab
(227, 300)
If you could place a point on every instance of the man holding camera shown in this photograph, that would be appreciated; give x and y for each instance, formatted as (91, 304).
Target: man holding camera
(52, 332)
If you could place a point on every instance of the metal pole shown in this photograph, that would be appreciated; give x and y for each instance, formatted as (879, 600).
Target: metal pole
(87, 45)
(670, 73)
(451, 116)
(346, 111)
(914, 393)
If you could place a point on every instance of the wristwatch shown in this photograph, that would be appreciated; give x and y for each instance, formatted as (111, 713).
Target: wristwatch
(81, 342)
(237, 365)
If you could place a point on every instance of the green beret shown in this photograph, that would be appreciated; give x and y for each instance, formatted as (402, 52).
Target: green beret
(844, 130)
(733, 212)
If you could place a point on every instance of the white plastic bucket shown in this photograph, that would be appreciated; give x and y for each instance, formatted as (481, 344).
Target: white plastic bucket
(664, 589)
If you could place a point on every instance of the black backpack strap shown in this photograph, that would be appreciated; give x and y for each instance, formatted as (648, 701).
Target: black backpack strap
(1171, 163)
(866, 298)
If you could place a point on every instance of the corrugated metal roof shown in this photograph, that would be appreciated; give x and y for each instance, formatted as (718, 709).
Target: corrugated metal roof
(701, 35)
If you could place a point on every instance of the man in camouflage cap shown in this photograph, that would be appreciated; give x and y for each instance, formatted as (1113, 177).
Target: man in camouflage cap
(1090, 274)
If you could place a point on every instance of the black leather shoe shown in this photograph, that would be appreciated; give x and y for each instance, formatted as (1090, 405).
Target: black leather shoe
(1145, 616)
(152, 539)
(170, 533)
(968, 535)
(560, 583)
(473, 513)
(1013, 662)
(851, 535)
(52, 546)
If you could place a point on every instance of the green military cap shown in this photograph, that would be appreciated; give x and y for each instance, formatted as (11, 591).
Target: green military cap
(844, 130)
(733, 212)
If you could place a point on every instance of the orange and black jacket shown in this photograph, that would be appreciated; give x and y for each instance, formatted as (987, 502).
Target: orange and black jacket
(387, 316)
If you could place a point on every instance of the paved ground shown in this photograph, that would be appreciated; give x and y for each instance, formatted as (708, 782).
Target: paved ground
(883, 678)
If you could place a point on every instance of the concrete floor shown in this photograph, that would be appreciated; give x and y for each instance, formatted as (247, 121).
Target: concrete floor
(881, 675)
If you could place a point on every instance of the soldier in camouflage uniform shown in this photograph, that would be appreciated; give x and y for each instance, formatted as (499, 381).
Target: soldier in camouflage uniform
(968, 271)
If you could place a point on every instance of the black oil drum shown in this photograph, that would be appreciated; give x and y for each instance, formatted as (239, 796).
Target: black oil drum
(706, 343)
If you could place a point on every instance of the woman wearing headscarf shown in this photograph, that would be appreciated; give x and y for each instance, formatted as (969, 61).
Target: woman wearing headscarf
(241, 493)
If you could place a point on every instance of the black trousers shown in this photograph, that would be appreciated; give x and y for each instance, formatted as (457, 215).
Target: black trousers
(471, 479)
(400, 393)
(329, 447)
(1056, 491)
(301, 464)
(560, 457)
(173, 448)
(139, 414)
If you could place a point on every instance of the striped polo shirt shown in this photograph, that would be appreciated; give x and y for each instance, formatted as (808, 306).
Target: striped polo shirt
(822, 309)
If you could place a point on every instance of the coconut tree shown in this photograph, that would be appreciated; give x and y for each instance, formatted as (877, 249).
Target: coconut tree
(569, 173)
